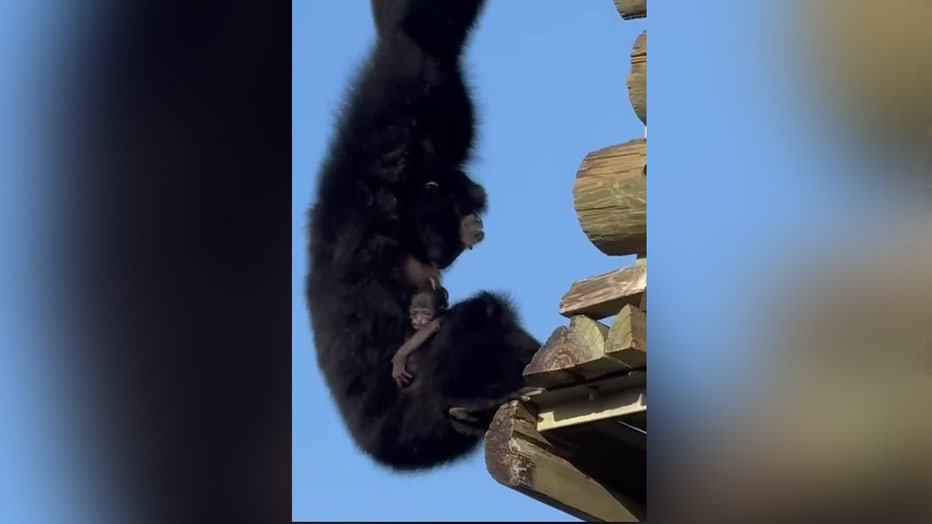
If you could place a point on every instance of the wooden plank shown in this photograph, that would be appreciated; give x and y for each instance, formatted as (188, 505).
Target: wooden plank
(631, 9)
(637, 78)
(610, 198)
(627, 339)
(585, 402)
(599, 407)
(587, 349)
(612, 453)
(604, 295)
(518, 457)
(608, 384)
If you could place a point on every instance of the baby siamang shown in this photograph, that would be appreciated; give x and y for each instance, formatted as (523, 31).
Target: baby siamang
(393, 208)
(426, 309)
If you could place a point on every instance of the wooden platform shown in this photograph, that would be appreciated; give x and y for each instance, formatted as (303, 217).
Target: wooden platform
(581, 444)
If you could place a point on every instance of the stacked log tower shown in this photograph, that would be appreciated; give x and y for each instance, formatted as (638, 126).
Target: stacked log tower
(581, 443)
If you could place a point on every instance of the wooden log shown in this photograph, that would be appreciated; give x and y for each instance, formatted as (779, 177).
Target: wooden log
(631, 9)
(583, 350)
(610, 197)
(637, 78)
(604, 295)
(627, 339)
(558, 361)
(518, 457)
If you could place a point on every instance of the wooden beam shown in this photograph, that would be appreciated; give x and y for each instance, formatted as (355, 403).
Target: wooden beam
(587, 349)
(631, 9)
(604, 295)
(614, 397)
(610, 198)
(608, 384)
(627, 339)
(637, 78)
(594, 408)
(611, 452)
(518, 457)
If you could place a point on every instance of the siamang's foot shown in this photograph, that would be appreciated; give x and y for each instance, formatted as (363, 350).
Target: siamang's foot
(480, 412)
(524, 394)
(476, 429)
(465, 422)
(471, 232)
(462, 414)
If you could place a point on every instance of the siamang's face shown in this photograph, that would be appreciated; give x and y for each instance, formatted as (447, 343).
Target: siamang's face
(437, 212)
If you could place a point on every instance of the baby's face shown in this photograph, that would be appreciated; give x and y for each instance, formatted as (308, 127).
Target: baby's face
(426, 306)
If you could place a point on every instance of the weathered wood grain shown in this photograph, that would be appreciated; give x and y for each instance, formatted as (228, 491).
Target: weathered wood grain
(637, 78)
(610, 198)
(627, 338)
(587, 349)
(604, 295)
(631, 9)
(563, 357)
(518, 457)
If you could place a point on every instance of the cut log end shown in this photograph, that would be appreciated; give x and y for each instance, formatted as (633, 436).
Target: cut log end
(587, 349)
(637, 78)
(631, 9)
(517, 456)
(610, 198)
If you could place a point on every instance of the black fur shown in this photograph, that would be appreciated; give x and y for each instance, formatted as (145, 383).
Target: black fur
(408, 121)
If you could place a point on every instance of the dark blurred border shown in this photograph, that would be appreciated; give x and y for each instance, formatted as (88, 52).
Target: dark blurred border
(178, 242)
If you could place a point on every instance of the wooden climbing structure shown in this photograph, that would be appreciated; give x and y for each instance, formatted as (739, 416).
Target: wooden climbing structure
(581, 444)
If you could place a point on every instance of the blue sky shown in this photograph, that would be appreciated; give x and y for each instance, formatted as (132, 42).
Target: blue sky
(550, 87)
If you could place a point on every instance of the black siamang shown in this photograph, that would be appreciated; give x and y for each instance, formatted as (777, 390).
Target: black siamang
(393, 208)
